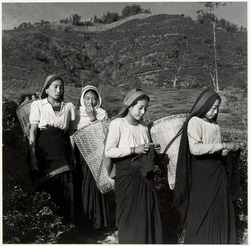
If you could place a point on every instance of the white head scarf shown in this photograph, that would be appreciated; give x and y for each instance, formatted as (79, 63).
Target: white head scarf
(82, 118)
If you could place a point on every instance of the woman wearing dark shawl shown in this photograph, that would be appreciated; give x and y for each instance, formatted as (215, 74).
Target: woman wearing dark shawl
(137, 207)
(201, 191)
(50, 146)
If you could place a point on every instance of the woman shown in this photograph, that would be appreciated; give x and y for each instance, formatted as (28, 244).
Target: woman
(92, 201)
(51, 124)
(128, 144)
(201, 191)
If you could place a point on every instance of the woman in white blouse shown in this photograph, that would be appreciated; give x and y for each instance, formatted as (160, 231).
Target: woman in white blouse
(201, 190)
(51, 122)
(128, 144)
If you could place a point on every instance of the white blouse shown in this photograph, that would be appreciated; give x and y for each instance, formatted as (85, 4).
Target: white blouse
(42, 113)
(203, 137)
(123, 136)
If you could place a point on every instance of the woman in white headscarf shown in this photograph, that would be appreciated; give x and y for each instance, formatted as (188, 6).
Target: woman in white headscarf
(92, 201)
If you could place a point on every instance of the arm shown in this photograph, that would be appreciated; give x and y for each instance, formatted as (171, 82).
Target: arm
(71, 132)
(196, 145)
(111, 148)
(112, 142)
(32, 146)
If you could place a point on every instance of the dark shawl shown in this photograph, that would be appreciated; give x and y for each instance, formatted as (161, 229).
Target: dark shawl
(183, 181)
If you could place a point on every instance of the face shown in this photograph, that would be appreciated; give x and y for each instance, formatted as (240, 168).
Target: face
(214, 110)
(90, 99)
(55, 90)
(138, 110)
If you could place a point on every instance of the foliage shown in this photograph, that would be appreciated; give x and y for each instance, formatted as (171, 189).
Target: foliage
(240, 205)
(9, 118)
(110, 17)
(28, 217)
(75, 19)
(131, 10)
(206, 17)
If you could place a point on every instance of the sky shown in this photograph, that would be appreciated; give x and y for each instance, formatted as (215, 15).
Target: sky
(16, 12)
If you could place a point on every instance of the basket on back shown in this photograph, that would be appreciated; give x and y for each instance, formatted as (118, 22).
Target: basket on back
(162, 132)
(90, 141)
(23, 113)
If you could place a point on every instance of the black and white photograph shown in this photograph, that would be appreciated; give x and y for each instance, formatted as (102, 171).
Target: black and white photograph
(124, 122)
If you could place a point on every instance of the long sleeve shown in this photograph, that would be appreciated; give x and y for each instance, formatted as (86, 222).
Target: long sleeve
(203, 137)
(111, 149)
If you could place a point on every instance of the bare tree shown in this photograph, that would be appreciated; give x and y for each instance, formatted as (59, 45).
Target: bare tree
(211, 15)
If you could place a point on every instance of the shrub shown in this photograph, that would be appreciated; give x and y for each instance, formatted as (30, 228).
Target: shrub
(110, 17)
(30, 218)
(240, 206)
(131, 10)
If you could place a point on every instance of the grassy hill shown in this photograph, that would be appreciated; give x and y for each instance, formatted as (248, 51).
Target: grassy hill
(133, 52)
(143, 52)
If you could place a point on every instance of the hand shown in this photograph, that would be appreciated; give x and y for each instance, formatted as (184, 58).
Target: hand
(90, 112)
(157, 148)
(34, 164)
(231, 146)
(142, 149)
(224, 152)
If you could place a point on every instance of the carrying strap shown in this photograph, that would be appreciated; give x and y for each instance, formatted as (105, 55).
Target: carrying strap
(170, 143)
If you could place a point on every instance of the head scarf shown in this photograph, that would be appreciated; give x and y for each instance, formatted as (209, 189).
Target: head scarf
(49, 80)
(183, 173)
(129, 99)
(82, 118)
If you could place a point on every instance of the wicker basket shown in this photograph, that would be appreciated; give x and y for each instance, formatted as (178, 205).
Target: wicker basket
(162, 132)
(23, 113)
(90, 141)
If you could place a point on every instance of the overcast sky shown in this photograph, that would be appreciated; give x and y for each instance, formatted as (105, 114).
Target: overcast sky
(14, 12)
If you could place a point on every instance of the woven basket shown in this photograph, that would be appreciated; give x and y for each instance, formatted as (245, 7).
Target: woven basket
(23, 113)
(162, 132)
(90, 141)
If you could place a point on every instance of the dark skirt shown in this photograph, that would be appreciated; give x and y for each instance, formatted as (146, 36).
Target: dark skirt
(210, 217)
(90, 200)
(52, 151)
(137, 207)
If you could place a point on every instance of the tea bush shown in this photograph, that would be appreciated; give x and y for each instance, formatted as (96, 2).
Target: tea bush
(28, 217)
(240, 205)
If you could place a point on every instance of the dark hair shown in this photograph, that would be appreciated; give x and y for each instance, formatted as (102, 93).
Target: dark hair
(142, 97)
(93, 91)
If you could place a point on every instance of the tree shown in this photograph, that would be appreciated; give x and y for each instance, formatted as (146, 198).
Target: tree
(110, 17)
(75, 19)
(210, 12)
(131, 10)
(178, 57)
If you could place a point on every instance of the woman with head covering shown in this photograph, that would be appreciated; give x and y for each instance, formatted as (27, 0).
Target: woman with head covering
(201, 191)
(50, 148)
(128, 144)
(91, 200)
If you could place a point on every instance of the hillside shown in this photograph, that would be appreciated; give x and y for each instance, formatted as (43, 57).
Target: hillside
(141, 51)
